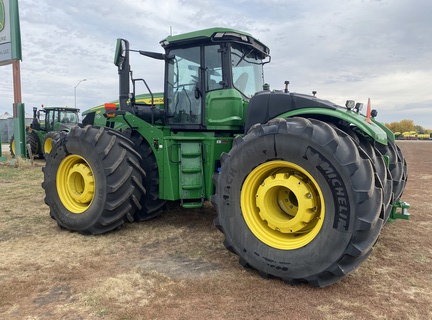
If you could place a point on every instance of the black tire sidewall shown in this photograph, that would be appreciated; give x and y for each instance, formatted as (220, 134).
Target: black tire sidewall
(64, 217)
(334, 236)
(53, 135)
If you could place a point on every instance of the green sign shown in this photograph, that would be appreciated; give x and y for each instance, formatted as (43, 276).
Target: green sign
(2, 15)
(10, 37)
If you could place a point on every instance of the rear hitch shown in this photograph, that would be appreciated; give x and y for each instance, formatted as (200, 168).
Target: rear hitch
(402, 213)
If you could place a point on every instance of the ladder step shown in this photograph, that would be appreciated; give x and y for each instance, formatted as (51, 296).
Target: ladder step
(191, 173)
(189, 205)
(192, 187)
(191, 154)
(191, 170)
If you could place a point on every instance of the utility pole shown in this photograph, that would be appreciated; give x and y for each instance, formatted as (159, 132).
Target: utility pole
(75, 89)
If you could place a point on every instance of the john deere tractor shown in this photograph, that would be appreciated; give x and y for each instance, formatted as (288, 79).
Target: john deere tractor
(46, 126)
(302, 186)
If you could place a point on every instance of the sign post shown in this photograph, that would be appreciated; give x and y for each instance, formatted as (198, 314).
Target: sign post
(10, 53)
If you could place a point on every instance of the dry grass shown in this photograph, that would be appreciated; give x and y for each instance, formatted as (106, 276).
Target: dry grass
(175, 267)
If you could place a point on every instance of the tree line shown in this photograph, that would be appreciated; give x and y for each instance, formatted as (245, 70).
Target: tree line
(406, 126)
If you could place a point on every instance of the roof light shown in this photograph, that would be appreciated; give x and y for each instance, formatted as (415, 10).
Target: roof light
(164, 43)
(349, 104)
(358, 107)
(220, 35)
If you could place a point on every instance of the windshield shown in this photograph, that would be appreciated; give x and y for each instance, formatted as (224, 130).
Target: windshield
(68, 117)
(247, 70)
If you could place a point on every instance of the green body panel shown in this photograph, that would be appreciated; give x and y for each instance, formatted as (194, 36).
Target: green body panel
(176, 147)
(371, 129)
(19, 132)
(41, 135)
(185, 159)
(225, 110)
(101, 120)
(141, 98)
(390, 134)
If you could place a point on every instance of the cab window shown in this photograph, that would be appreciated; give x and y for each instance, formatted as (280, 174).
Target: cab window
(184, 103)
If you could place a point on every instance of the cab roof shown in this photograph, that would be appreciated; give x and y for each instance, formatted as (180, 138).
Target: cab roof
(61, 108)
(214, 35)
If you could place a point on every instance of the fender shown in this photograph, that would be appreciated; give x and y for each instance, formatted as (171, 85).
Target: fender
(267, 105)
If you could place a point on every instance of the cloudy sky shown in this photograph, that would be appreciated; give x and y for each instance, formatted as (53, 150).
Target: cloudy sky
(344, 49)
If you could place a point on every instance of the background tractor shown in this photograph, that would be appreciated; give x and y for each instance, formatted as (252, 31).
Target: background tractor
(47, 125)
(302, 186)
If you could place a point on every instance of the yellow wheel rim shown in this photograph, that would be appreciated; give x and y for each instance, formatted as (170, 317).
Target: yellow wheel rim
(48, 145)
(75, 184)
(282, 205)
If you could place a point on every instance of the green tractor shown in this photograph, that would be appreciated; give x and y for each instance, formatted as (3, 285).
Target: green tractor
(302, 187)
(47, 125)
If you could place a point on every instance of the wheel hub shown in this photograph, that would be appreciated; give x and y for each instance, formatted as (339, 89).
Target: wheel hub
(282, 205)
(285, 202)
(80, 183)
(75, 184)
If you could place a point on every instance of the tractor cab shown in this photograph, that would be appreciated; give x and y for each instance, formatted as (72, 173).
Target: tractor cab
(56, 117)
(53, 118)
(210, 76)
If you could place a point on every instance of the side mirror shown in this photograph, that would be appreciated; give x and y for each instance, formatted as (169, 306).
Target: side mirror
(121, 51)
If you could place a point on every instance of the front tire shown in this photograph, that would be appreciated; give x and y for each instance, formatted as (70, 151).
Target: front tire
(49, 140)
(93, 180)
(298, 200)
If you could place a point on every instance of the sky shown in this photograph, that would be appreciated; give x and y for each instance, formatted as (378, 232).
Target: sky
(343, 49)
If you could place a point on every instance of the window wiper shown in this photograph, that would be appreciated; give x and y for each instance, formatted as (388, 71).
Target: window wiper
(242, 57)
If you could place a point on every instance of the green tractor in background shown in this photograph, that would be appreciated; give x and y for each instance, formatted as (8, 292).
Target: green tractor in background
(47, 125)
(302, 186)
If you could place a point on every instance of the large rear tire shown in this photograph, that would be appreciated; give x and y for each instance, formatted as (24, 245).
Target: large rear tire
(379, 164)
(33, 140)
(404, 178)
(93, 180)
(397, 167)
(298, 200)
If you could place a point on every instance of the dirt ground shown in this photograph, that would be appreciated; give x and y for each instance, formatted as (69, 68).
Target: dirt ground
(176, 267)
